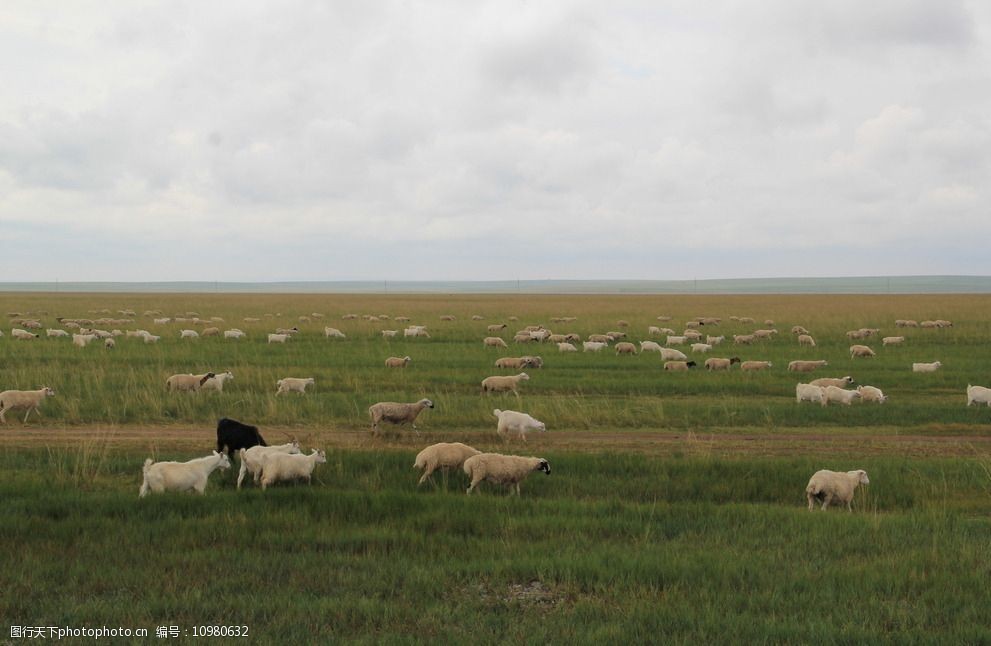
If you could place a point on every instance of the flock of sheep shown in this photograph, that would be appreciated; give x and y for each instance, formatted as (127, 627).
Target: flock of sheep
(285, 462)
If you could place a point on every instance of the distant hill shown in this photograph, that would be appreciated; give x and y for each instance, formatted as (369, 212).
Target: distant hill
(851, 285)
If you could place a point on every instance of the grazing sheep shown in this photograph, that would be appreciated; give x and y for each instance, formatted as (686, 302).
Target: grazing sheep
(448, 317)
(841, 396)
(389, 334)
(281, 467)
(189, 334)
(252, 459)
(764, 334)
(397, 362)
(278, 338)
(718, 363)
(501, 384)
(826, 486)
(293, 385)
(928, 324)
(496, 328)
(187, 383)
(805, 339)
(233, 436)
(513, 363)
(333, 333)
(593, 346)
(906, 323)
(22, 335)
(679, 366)
(675, 340)
(649, 346)
(511, 421)
(181, 476)
(401, 319)
(691, 335)
(715, 340)
(806, 366)
(396, 413)
(744, 339)
(839, 382)
(892, 340)
(978, 394)
(626, 348)
(701, 347)
(861, 351)
(653, 330)
(755, 366)
(600, 338)
(162, 321)
(523, 337)
(54, 333)
(871, 394)
(498, 469)
(109, 344)
(415, 332)
(444, 456)
(217, 381)
(692, 324)
(811, 393)
(290, 331)
(233, 334)
(798, 329)
(494, 342)
(211, 331)
(566, 347)
(572, 337)
(926, 367)
(534, 362)
(663, 319)
(940, 323)
(23, 399)
(670, 354)
(151, 338)
(82, 340)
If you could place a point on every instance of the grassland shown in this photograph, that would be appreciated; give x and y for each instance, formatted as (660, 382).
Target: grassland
(674, 512)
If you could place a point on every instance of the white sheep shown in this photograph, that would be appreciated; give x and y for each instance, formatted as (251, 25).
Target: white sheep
(293, 385)
(189, 334)
(744, 339)
(625, 347)
(333, 333)
(926, 367)
(109, 344)
(892, 340)
(415, 331)
(593, 346)
(755, 366)
(511, 421)
(678, 366)
(233, 334)
(151, 338)
(675, 340)
(650, 346)
(871, 394)
(162, 321)
(389, 334)
(82, 340)
(701, 347)
(978, 394)
(841, 395)
(860, 351)
(397, 362)
(217, 381)
(181, 476)
(670, 354)
(444, 456)
(720, 363)
(251, 459)
(22, 335)
(805, 339)
(715, 340)
(806, 366)
(278, 338)
(566, 347)
(496, 328)
(29, 399)
(513, 363)
(500, 383)
(508, 470)
(494, 342)
(279, 467)
(826, 486)
(187, 383)
(56, 333)
(839, 382)
(810, 393)
(396, 413)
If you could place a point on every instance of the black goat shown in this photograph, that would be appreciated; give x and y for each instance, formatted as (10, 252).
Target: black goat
(235, 436)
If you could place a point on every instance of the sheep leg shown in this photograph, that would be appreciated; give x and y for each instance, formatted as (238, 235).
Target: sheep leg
(2, 418)
(423, 478)
(811, 501)
(240, 475)
(825, 503)
(471, 487)
(26, 416)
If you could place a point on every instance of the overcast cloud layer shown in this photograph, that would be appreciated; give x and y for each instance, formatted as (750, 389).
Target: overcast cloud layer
(461, 140)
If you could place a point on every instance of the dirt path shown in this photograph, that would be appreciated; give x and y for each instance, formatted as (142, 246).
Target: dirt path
(722, 442)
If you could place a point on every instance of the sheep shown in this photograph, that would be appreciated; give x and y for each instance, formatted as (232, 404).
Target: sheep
(806, 366)
(443, 456)
(523, 337)
(396, 413)
(415, 332)
(715, 340)
(674, 340)
(190, 383)
(622, 323)
(701, 347)
(566, 347)
(940, 323)
(670, 354)
(511, 421)
(181, 476)
(252, 458)
(233, 334)
(710, 320)
(333, 333)
(501, 384)
(978, 394)
(719, 363)
(389, 334)
(744, 339)
(540, 335)
(839, 382)
(22, 335)
(755, 366)
(798, 329)
(509, 470)
(136, 334)
(664, 331)
(825, 486)
(151, 338)
(691, 335)
(290, 331)
(663, 319)
(217, 381)
(805, 339)
(615, 336)
(162, 321)
(278, 338)
(600, 338)
(840, 395)
(649, 346)
(82, 340)
(871, 394)
(653, 330)
(109, 344)
(625, 348)
(679, 365)
(287, 466)
(764, 334)
(401, 319)
(557, 338)
(31, 324)
(745, 319)
(513, 363)
(397, 362)
(210, 331)
(56, 333)
(189, 334)
(496, 328)
(926, 367)
(861, 351)
(572, 337)
(593, 346)
(448, 317)
(233, 436)
(692, 324)
(293, 385)
(892, 340)
(27, 399)
(494, 342)
(534, 362)
(810, 393)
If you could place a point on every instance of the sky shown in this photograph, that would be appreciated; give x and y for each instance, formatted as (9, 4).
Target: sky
(448, 140)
